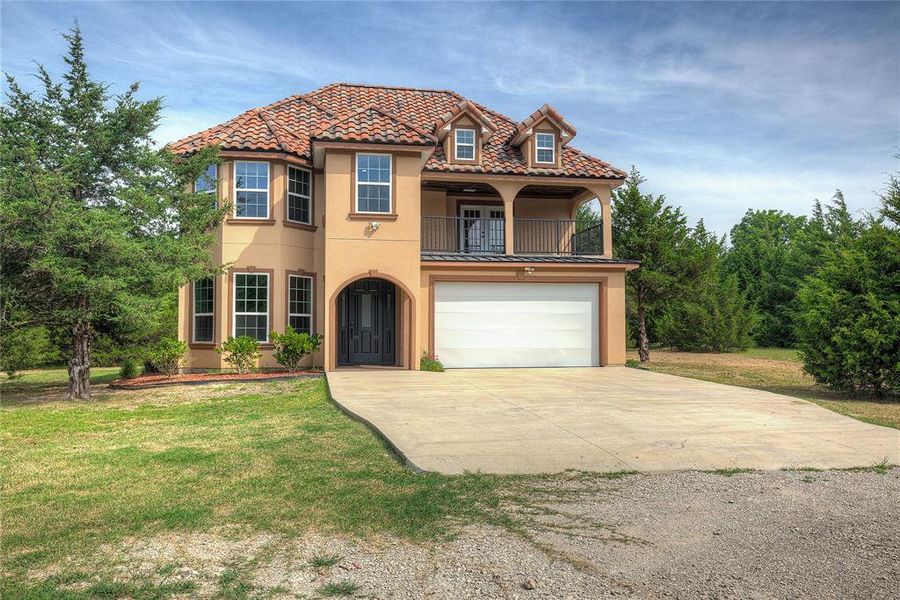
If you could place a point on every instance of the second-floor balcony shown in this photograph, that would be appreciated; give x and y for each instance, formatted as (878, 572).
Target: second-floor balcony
(487, 235)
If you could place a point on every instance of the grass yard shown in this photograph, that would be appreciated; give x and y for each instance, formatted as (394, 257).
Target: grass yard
(241, 458)
(777, 370)
(45, 384)
(274, 456)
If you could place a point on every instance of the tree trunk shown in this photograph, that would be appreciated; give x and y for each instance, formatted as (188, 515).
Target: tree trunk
(80, 363)
(643, 340)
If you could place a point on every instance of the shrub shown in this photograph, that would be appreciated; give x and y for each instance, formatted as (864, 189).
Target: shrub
(167, 356)
(848, 318)
(24, 348)
(430, 362)
(240, 352)
(633, 363)
(129, 369)
(714, 318)
(291, 347)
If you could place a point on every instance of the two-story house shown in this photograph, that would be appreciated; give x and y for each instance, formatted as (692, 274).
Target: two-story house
(396, 221)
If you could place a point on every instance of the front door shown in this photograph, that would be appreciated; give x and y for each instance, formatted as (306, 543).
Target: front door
(481, 230)
(366, 315)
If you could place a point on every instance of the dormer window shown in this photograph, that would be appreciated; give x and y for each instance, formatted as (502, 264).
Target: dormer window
(545, 148)
(464, 144)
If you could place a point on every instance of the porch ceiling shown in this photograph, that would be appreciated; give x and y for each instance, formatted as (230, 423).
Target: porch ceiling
(461, 188)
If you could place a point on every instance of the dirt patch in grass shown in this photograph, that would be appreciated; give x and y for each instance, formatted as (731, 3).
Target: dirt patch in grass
(151, 381)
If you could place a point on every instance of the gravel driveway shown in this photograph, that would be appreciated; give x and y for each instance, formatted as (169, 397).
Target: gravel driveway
(797, 534)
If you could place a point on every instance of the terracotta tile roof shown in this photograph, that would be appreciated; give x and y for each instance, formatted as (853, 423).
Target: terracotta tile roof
(544, 112)
(374, 124)
(464, 107)
(364, 113)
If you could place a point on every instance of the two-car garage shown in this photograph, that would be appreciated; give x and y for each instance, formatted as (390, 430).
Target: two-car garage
(516, 324)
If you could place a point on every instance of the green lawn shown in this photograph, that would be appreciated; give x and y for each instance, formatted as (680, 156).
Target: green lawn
(776, 370)
(273, 456)
(264, 456)
(44, 383)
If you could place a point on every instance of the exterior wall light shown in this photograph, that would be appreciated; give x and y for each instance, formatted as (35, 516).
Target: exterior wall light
(374, 225)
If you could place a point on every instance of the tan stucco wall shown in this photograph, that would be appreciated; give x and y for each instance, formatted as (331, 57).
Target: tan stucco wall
(276, 247)
(355, 251)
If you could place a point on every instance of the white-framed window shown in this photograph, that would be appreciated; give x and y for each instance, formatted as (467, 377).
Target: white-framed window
(545, 148)
(251, 305)
(204, 310)
(300, 303)
(206, 183)
(464, 144)
(251, 190)
(299, 207)
(373, 183)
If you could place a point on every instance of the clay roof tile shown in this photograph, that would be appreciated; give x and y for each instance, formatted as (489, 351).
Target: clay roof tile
(385, 114)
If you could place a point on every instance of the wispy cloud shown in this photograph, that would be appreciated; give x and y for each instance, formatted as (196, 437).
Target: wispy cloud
(722, 106)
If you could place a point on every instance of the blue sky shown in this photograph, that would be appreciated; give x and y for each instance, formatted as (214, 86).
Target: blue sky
(722, 107)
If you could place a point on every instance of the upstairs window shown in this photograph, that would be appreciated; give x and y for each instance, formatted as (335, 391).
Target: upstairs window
(207, 181)
(373, 183)
(251, 305)
(251, 190)
(203, 310)
(299, 208)
(465, 144)
(545, 148)
(300, 303)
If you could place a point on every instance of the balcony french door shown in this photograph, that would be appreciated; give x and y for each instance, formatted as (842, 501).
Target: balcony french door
(481, 230)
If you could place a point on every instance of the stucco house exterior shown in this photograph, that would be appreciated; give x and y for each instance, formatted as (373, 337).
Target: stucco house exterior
(398, 221)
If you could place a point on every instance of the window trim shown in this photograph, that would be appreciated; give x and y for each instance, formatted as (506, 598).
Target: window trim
(268, 313)
(473, 145)
(195, 314)
(312, 299)
(288, 194)
(537, 135)
(357, 183)
(267, 190)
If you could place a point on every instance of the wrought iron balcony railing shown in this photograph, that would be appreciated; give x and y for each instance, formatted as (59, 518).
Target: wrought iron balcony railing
(478, 235)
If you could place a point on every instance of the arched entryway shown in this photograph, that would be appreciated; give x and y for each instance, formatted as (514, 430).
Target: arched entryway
(368, 319)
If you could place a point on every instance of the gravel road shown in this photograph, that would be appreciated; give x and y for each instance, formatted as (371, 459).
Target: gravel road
(831, 534)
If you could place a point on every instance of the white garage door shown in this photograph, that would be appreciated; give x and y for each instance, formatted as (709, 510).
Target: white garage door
(516, 324)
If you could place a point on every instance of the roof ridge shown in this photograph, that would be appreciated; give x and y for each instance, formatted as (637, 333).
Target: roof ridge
(391, 87)
(276, 131)
(382, 111)
(295, 97)
(401, 120)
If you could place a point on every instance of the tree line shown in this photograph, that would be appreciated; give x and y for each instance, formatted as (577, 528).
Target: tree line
(827, 284)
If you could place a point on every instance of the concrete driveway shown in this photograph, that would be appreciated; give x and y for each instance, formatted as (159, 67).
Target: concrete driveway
(600, 419)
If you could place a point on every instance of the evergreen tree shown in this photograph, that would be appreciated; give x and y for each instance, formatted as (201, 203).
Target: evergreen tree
(647, 230)
(713, 314)
(588, 230)
(97, 223)
(764, 260)
(848, 318)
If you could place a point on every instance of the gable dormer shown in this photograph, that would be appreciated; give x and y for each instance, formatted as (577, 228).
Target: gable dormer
(463, 131)
(541, 137)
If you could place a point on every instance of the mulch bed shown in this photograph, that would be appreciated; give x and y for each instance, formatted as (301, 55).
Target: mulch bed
(156, 380)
